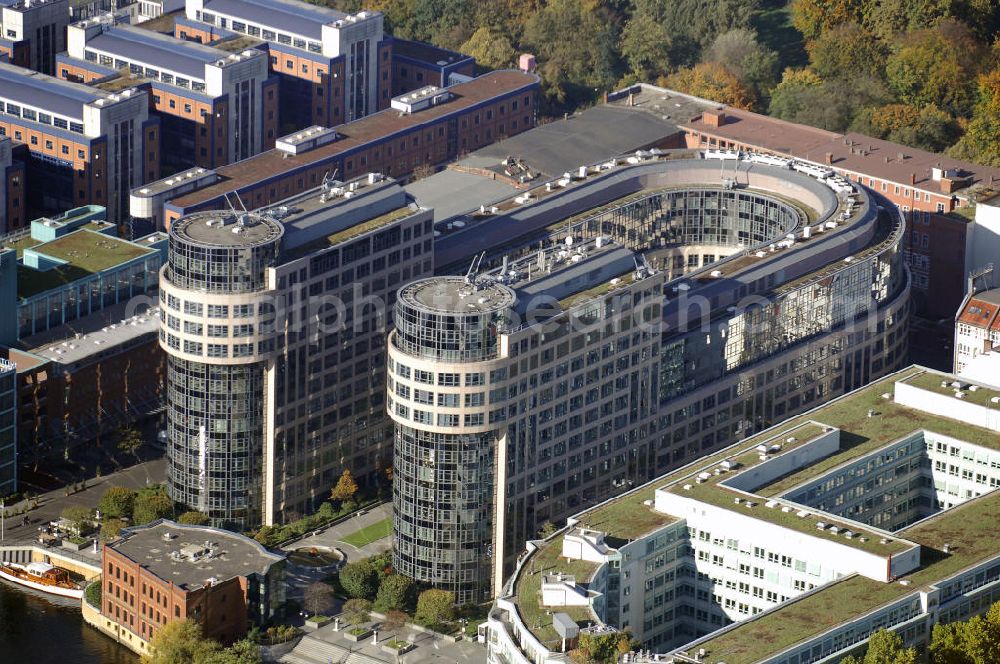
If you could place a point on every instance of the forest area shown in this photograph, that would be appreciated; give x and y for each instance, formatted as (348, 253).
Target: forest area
(925, 73)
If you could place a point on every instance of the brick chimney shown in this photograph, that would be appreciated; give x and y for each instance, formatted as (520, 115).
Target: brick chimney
(913, 178)
(714, 118)
(947, 185)
(828, 158)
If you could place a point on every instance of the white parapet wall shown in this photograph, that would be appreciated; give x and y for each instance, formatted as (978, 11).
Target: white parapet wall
(946, 405)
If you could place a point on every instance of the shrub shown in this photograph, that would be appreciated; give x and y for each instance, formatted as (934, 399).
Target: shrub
(395, 592)
(359, 579)
(356, 611)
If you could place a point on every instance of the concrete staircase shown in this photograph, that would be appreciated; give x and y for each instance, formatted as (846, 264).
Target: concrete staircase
(311, 650)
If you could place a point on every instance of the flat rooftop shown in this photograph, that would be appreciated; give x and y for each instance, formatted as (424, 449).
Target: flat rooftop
(92, 335)
(226, 229)
(249, 172)
(425, 52)
(24, 86)
(454, 295)
(156, 50)
(299, 18)
(227, 555)
(85, 252)
(584, 138)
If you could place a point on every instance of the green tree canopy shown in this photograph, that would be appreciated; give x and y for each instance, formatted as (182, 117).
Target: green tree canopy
(179, 641)
(117, 502)
(490, 48)
(152, 504)
(346, 488)
(936, 66)
(359, 579)
(193, 518)
(583, 66)
(981, 141)
(645, 45)
(812, 17)
(77, 515)
(832, 105)
(755, 65)
(395, 592)
(435, 607)
(356, 611)
(846, 50)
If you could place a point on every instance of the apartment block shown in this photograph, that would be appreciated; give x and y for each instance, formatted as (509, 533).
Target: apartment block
(215, 106)
(784, 287)
(80, 329)
(790, 547)
(274, 326)
(87, 145)
(165, 571)
(416, 65)
(429, 129)
(977, 327)
(33, 32)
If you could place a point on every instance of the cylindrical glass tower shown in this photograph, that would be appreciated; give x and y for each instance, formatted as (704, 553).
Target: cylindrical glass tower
(218, 336)
(442, 360)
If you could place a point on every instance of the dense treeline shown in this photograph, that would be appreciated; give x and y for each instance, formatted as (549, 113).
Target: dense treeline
(921, 72)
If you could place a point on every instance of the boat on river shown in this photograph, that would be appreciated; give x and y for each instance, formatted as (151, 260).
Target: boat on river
(41, 576)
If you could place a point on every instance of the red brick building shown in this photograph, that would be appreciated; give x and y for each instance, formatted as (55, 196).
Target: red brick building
(935, 191)
(473, 114)
(166, 571)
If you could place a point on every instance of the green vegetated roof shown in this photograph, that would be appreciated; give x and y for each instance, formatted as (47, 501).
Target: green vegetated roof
(85, 252)
(969, 529)
(529, 585)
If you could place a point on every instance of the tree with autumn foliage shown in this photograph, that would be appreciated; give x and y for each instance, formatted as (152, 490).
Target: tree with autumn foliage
(981, 141)
(711, 80)
(346, 489)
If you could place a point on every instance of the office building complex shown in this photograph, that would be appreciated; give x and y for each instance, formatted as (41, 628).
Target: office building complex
(215, 106)
(12, 184)
(72, 265)
(79, 328)
(785, 288)
(791, 547)
(274, 328)
(165, 571)
(331, 63)
(86, 145)
(33, 32)
(8, 427)
(934, 191)
(426, 130)
(459, 349)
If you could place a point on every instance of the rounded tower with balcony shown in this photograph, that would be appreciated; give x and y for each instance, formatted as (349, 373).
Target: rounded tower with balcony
(217, 330)
(445, 358)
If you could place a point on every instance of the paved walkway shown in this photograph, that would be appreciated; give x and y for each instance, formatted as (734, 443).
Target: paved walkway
(333, 536)
(51, 504)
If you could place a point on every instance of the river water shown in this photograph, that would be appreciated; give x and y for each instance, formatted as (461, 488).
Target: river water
(37, 629)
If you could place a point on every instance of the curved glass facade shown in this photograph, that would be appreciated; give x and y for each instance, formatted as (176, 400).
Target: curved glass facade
(214, 438)
(221, 258)
(442, 510)
(432, 321)
(215, 408)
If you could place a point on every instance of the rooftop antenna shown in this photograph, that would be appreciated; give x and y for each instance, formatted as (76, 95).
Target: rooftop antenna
(328, 179)
(477, 261)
